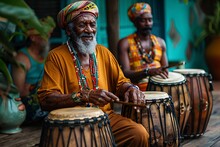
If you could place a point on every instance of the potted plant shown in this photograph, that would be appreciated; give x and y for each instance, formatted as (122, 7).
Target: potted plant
(211, 35)
(16, 14)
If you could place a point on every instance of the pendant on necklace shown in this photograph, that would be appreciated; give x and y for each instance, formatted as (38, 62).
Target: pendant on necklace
(147, 57)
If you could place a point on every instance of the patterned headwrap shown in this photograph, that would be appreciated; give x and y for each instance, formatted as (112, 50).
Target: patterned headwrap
(73, 10)
(137, 9)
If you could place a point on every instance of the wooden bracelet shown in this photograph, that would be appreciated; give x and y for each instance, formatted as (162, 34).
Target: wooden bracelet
(86, 93)
(89, 93)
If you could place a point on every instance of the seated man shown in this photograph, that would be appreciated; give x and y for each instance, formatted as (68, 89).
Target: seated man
(32, 57)
(83, 73)
(142, 54)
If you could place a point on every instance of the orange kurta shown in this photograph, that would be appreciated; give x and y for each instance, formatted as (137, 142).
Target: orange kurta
(60, 75)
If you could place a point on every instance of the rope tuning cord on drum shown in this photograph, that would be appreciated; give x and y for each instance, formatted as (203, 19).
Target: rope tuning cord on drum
(210, 82)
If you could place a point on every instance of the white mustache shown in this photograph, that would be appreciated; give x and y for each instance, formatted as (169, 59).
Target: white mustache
(86, 35)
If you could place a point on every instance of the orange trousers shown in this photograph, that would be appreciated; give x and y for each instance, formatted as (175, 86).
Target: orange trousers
(128, 133)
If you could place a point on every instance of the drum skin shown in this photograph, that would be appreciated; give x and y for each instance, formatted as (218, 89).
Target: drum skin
(158, 117)
(200, 86)
(72, 127)
(175, 86)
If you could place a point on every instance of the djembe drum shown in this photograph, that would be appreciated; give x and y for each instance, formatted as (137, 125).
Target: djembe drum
(72, 127)
(175, 86)
(199, 84)
(158, 117)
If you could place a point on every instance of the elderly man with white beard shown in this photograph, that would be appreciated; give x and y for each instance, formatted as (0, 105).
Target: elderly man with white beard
(84, 73)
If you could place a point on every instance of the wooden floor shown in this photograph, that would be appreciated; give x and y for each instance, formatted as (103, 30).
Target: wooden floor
(30, 135)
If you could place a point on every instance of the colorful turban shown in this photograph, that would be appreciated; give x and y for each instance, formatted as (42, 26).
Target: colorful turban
(73, 10)
(137, 9)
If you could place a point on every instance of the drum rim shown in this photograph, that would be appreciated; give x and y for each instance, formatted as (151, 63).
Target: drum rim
(168, 84)
(76, 121)
(84, 112)
(163, 95)
(180, 80)
(185, 71)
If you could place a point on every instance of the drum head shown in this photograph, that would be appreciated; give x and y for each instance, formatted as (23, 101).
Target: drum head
(75, 113)
(155, 95)
(172, 78)
(190, 71)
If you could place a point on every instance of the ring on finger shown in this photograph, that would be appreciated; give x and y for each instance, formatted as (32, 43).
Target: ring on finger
(99, 99)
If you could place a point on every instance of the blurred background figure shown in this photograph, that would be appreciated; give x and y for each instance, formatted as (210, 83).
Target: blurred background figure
(28, 77)
(142, 54)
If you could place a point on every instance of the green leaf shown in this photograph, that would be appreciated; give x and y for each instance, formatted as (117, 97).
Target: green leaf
(4, 70)
(201, 37)
(6, 45)
(211, 25)
(17, 11)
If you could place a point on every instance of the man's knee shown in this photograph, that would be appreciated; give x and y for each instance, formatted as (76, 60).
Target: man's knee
(140, 134)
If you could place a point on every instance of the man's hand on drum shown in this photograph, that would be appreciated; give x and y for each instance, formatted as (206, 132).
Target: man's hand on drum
(101, 97)
(161, 71)
(134, 95)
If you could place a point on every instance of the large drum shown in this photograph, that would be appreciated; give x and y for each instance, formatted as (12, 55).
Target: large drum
(200, 86)
(72, 127)
(158, 117)
(175, 86)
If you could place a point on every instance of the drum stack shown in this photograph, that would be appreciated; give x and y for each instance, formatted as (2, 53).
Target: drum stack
(158, 117)
(190, 90)
(77, 126)
(175, 86)
(199, 84)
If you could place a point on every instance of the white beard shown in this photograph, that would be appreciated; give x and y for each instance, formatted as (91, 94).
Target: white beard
(85, 47)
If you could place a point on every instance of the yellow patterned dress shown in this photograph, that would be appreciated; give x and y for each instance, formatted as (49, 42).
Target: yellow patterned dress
(137, 62)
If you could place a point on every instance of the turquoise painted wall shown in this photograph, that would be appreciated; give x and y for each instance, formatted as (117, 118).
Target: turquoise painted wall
(179, 13)
(102, 37)
(126, 26)
(175, 11)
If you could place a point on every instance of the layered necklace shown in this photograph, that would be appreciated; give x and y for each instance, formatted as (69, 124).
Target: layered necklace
(82, 80)
(147, 56)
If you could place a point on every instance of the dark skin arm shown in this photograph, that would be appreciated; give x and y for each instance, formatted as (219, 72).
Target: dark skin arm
(98, 97)
(19, 74)
(123, 49)
(164, 62)
(56, 100)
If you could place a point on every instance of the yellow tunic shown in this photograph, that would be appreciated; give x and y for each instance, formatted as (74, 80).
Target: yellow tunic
(136, 61)
(60, 75)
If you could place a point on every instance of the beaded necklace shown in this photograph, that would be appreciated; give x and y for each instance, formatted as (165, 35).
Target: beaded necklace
(148, 57)
(82, 81)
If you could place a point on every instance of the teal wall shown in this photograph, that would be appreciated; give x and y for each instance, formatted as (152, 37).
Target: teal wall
(179, 12)
(102, 37)
(174, 10)
(126, 26)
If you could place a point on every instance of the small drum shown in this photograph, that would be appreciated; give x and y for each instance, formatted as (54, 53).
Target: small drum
(175, 86)
(158, 117)
(200, 86)
(78, 126)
